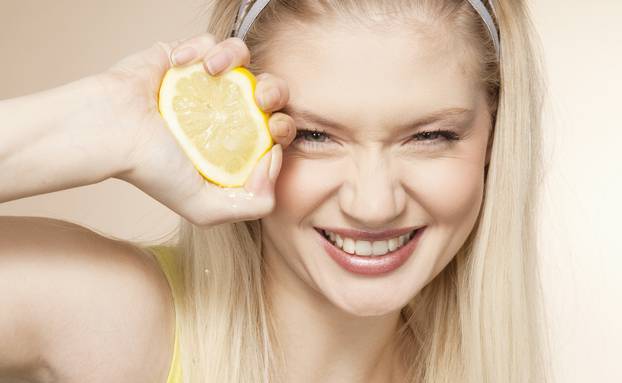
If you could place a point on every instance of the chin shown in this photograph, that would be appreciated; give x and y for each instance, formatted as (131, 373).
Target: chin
(371, 311)
(366, 306)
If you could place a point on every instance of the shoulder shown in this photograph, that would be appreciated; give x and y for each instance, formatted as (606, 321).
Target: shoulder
(94, 307)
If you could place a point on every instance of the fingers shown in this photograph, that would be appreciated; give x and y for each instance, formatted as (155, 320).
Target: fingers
(226, 55)
(271, 92)
(282, 129)
(192, 50)
(217, 57)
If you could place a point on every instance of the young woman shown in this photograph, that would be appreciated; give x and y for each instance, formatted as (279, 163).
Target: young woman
(389, 237)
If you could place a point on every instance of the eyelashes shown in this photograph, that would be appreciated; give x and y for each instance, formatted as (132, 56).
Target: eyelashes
(305, 134)
(431, 135)
(316, 139)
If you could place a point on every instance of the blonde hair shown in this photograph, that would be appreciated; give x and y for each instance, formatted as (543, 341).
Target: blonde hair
(481, 319)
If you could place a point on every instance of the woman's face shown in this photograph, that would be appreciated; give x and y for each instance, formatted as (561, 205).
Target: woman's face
(372, 169)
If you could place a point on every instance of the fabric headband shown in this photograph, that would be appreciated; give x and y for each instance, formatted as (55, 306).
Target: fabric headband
(249, 10)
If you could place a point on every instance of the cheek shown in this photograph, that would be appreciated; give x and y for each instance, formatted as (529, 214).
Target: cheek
(303, 185)
(450, 190)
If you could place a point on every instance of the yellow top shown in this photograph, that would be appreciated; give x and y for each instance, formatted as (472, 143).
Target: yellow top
(165, 257)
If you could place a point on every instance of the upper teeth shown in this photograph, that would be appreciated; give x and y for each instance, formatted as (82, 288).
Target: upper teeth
(368, 248)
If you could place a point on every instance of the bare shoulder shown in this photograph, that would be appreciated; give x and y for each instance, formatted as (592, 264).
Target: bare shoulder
(80, 307)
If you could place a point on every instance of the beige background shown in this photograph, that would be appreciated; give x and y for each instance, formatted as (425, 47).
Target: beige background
(47, 43)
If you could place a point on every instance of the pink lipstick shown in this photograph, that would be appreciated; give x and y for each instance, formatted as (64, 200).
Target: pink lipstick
(371, 265)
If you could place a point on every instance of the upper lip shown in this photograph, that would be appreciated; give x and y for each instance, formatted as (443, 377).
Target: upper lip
(370, 235)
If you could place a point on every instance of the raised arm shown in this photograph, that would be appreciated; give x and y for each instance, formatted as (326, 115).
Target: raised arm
(59, 139)
(108, 125)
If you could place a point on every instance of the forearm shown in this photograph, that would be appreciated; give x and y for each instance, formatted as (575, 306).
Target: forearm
(55, 140)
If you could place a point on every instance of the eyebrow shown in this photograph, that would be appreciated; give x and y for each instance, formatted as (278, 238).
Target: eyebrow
(447, 114)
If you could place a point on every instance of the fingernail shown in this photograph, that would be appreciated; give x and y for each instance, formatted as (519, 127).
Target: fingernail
(268, 97)
(275, 162)
(218, 63)
(184, 55)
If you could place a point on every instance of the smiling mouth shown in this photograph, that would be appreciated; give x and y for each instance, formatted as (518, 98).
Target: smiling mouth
(369, 248)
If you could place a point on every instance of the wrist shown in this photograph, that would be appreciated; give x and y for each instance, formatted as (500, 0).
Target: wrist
(108, 102)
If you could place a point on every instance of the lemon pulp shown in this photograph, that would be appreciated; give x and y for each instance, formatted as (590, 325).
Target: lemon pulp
(216, 121)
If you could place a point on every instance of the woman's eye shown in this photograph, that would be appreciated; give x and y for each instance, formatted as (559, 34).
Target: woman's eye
(311, 135)
(311, 139)
(432, 136)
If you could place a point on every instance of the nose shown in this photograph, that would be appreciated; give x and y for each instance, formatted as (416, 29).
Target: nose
(372, 195)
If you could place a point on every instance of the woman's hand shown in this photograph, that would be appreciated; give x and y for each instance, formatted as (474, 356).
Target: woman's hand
(157, 165)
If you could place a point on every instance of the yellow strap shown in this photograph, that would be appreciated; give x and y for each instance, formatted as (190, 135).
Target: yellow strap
(174, 374)
(165, 257)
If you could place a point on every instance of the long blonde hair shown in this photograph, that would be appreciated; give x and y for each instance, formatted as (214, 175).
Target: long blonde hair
(481, 319)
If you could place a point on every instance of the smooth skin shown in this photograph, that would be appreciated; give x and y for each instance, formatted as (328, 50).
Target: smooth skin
(79, 307)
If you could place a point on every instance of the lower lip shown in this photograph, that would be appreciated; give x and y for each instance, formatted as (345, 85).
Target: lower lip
(371, 265)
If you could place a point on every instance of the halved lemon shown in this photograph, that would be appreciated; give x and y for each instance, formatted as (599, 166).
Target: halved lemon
(216, 121)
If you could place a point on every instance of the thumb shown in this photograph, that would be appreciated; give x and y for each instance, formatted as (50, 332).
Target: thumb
(262, 179)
